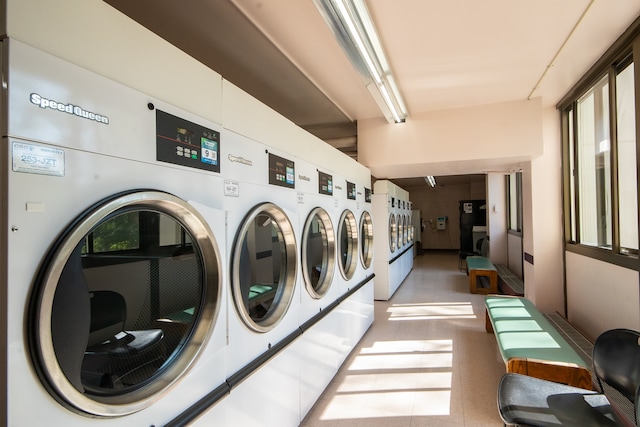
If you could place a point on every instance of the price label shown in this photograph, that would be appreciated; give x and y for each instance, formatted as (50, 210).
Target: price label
(36, 159)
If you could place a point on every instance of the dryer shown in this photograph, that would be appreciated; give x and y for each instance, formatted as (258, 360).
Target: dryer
(392, 238)
(114, 296)
(263, 241)
(319, 220)
(263, 245)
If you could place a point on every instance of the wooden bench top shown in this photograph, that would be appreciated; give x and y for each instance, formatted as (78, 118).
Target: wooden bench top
(522, 331)
(479, 263)
(529, 344)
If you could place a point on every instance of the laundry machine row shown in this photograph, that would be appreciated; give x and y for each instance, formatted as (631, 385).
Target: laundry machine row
(155, 258)
(394, 237)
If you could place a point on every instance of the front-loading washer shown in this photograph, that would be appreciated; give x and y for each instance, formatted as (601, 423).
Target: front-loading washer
(263, 238)
(263, 235)
(115, 256)
(389, 241)
(318, 219)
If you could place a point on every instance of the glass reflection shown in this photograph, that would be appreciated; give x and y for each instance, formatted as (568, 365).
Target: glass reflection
(261, 260)
(366, 239)
(348, 244)
(318, 252)
(393, 232)
(126, 302)
(264, 267)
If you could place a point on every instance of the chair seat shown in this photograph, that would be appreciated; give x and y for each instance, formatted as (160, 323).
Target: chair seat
(129, 343)
(528, 401)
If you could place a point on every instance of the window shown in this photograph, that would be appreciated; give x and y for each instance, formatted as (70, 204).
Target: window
(133, 231)
(600, 162)
(594, 165)
(514, 202)
(627, 160)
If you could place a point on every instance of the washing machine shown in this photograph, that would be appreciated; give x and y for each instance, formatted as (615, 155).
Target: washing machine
(115, 304)
(390, 238)
(263, 244)
(319, 218)
(347, 234)
(366, 234)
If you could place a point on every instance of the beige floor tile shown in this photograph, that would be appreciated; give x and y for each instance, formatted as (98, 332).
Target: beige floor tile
(426, 361)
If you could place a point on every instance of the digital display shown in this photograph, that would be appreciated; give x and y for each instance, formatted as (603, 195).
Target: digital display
(281, 171)
(184, 143)
(367, 195)
(325, 183)
(351, 190)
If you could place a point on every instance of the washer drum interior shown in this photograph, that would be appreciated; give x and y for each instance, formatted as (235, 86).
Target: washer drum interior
(366, 239)
(347, 244)
(264, 267)
(318, 252)
(393, 232)
(124, 303)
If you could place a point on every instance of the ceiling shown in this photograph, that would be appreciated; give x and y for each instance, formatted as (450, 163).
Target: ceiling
(444, 54)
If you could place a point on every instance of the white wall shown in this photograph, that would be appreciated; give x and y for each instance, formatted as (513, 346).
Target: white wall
(544, 239)
(515, 260)
(449, 142)
(601, 296)
(99, 38)
(497, 217)
(443, 200)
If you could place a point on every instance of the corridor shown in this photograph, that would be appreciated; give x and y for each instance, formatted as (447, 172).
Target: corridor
(425, 361)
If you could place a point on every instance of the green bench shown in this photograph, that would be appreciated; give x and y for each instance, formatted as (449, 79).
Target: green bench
(483, 276)
(530, 345)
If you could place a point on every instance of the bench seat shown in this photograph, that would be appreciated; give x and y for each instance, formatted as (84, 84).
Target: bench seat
(480, 267)
(530, 345)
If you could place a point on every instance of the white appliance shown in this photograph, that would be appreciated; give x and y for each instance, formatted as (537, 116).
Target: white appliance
(392, 237)
(263, 244)
(115, 262)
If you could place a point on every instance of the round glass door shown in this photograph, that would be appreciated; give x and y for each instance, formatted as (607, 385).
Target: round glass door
(393, 233)
(348, 244)
(366, 239)
(411, 228)
(264, 267)
(318, 252)
(125, 302)
(405, 237)
(400, 229)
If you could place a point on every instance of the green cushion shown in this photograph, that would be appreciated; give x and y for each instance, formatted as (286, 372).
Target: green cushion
(523, 332)
(479, 263)
(261, 290)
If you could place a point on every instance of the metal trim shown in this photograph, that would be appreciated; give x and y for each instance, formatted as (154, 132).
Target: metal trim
(348, 268)
(42, 304)
(393, 232)
(287, 281)
(328, 253)
(366, 239)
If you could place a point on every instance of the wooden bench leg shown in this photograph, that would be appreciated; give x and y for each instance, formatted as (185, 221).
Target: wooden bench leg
(492, 275)
(487, 322)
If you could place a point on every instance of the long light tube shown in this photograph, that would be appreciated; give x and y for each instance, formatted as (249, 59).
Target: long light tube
(430, 180)
(353, 28)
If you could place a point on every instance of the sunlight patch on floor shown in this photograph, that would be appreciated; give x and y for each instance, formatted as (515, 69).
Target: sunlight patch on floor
(431, 311)
(390, 378)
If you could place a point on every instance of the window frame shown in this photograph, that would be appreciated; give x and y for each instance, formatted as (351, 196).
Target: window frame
(623, 52)
(518, 203)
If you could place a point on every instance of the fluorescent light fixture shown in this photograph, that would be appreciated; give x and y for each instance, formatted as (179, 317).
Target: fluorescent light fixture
(353, 28)
(430, 180)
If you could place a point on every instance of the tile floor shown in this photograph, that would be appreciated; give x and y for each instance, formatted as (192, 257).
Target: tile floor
(425, 361)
